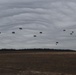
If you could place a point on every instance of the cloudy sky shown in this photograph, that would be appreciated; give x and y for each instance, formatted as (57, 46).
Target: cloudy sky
(48, 16)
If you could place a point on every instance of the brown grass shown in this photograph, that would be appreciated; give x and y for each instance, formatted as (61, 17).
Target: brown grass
(41, 63)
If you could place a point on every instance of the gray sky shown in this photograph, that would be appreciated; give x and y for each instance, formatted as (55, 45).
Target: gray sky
(49, 16)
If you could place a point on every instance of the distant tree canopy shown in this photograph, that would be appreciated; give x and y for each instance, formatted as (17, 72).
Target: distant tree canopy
(38, 50)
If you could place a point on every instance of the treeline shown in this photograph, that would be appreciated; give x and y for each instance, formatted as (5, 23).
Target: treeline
(39, 50)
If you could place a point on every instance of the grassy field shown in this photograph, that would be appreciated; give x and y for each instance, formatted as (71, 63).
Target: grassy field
(37, 63)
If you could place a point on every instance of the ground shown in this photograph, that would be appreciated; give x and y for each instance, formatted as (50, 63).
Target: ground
(34, 63)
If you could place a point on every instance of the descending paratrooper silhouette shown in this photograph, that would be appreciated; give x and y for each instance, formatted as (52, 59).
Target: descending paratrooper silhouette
(72, 31)
(20, 28)
(35, 36)
(57, 43)
(13, 32)
(40, 32)
(64, 30)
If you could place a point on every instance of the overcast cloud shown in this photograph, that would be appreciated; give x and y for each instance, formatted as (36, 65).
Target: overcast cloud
(48, 16)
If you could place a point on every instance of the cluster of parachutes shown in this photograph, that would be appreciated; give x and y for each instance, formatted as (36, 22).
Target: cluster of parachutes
(64, 31)
(42, 33)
